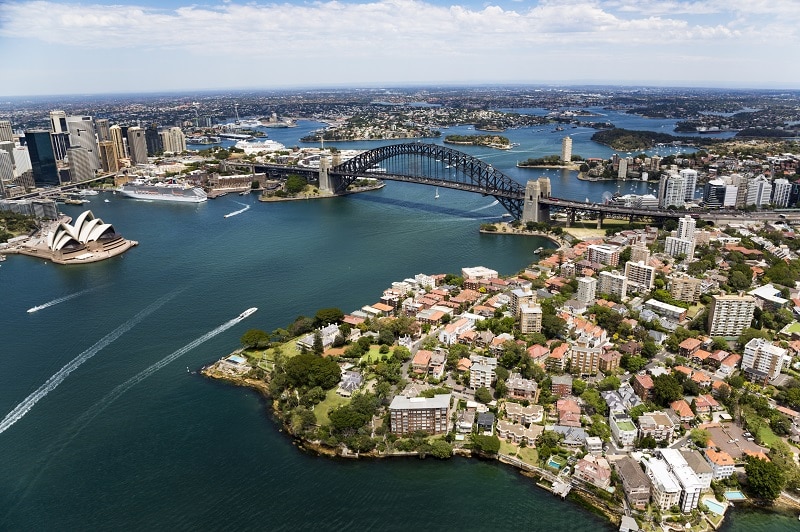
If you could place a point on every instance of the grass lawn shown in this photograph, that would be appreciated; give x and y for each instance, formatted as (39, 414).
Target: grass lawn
(331, 401)
(255, 356)
(526, 454)
(793, 327)
(766, 435)
(375, 355)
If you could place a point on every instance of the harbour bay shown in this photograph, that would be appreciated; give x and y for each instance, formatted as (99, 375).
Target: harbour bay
(178, 451)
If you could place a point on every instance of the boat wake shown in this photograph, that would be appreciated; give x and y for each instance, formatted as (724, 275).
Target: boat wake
(492, 204)
(240, 211)
(114, 394)
(43, 306)
(24, 407)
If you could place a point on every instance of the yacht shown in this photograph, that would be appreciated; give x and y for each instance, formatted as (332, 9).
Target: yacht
(248, 312)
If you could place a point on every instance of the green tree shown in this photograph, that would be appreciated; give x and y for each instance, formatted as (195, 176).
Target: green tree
(326, 316)
(308, 369)
(441, 449)
(483, 395)
(295, 184)
(765, 479)
(666, 389)
(599, 428)
(700, 437)
(254, 338)
(611, 382)
(486, 444)
(318, 347)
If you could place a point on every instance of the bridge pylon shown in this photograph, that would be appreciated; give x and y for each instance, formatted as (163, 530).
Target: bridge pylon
(532, 210)
(325, 182)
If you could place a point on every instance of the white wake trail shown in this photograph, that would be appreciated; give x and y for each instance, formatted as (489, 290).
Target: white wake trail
(114, 394)
(24, 407)
(492, 204)
(56, 301)
(240, 211)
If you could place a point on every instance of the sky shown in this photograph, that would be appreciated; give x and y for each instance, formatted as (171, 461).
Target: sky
(134, 46)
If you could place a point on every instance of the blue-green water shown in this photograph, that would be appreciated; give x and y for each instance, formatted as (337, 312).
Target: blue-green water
(102, 451)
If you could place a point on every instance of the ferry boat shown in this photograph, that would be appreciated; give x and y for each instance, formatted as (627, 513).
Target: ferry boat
(248, 312)
(163, 191)
(538, 250)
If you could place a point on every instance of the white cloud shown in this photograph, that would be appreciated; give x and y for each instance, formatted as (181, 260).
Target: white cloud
(385, 40)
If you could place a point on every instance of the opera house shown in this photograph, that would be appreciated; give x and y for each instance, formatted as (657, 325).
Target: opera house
(89, 239)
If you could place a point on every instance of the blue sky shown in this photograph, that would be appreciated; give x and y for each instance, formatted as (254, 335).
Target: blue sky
(64, 47)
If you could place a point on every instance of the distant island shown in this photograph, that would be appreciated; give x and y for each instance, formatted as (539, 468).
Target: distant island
(630, 140)
(490, 141)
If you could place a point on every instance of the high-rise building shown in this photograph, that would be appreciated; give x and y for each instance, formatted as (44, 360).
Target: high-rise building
(613, 283)
(173, 140)
(587, 290)
(604, 254)
(58, 122)
(6, 171)
(8, 147)
(672, 191)
(690, 182)
(714, 193)
(622, 169)
(686, 227)
(729, 315)
(103, 133)
(116, 138)
(566, 149)
(781, 190)
(82, 133)
(640, 252)
(108, 156)
(530, 319)
(22, 160)
(6, 133)
(759, 191)
(80, 164)
(683, 241)
(43, 160)
(685, 288)
(137, 146)
(641, 277)
(762, 361)
(60, 145)
(153, 140)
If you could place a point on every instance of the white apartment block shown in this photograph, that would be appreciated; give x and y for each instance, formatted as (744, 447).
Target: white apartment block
(613, 283)
(587, 290)
(640, 276)
(666, 490)
(763, 361)
(730, 314)
(604, 254)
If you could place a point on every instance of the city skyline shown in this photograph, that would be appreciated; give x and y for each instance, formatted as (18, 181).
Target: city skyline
(58, 47)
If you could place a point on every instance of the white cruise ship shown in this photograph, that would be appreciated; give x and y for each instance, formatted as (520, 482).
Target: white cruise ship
(163, 191)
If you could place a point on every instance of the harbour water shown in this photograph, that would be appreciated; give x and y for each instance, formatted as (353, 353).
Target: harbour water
(100, 440)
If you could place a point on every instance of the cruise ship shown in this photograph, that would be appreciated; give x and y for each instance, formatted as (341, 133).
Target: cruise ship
(163, 191)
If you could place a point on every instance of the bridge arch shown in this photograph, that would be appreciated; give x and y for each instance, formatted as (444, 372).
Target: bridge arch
(470, 173)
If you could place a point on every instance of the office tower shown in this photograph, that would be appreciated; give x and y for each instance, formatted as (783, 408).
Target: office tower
(101, 124)
(566, 149)
(22, 160)
(58, 122)
(43, 160)
(587, 290)
(640, 276)
(6, 133)
(137, 147)
(729, 315)
(61, 144)
(80, 164)
(173, 140)
(714, 193)
(6, 171)
(759, 191)
(82, 133)
(116, 137)
(781, 189)
(108, 156)
(8, 147)
(153, 140)
(731, 195)
(690, 180)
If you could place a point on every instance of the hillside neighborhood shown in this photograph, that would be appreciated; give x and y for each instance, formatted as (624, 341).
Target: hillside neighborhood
(652, 371)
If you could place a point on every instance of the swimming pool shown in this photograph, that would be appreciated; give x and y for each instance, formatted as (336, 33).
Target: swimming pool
(735, 495)
(714, 506)
(552, 463)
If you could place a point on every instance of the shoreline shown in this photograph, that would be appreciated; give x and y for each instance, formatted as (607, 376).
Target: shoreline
(579, 496)
(560, 242)
(263, 199)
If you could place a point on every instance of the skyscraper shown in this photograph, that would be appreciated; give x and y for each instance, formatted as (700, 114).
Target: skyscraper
(781, 189)
(6, 171)
(690, 180)
(60, 145)
(43, 160)
(6, 133)
(58, 122)
(108, 156)
(759, 191)
(566, 149)
(80, 164)
(82, 133)
(173, 140)
(116, 137)
(137, 145)
(153, 140)
(101, 124)
(672, 191)
(729, 315)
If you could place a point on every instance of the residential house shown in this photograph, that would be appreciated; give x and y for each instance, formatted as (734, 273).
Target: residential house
(437, 364)
(643, 386)
(689, 347)
(594, 445)
(421, 361)
(449, 335)
(538, 354)
(722, 464)
(682, 410)
(622, 430)
(523, 414)
(519, 388)
(729, 365)
(609, 361)
(465, 421)
(351, 381)
(557, 360)
(593, 470)
(569, 412)
(486, 423)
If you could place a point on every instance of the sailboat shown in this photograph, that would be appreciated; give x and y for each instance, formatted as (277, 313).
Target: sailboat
(437, 193)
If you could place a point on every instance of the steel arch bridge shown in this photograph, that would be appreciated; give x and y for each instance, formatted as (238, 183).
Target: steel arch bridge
(432, 164)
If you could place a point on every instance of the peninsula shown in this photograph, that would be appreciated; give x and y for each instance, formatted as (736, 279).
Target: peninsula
(490, 141)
